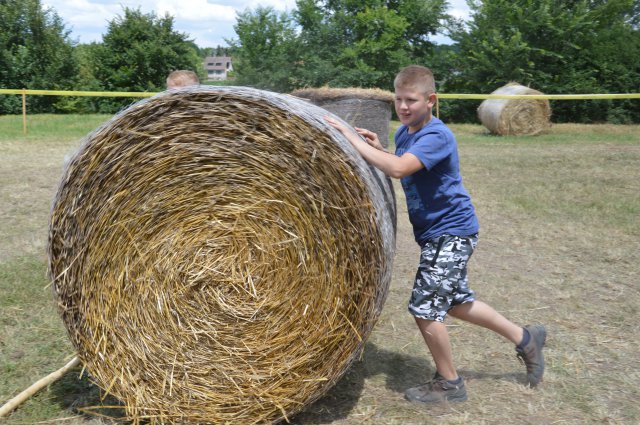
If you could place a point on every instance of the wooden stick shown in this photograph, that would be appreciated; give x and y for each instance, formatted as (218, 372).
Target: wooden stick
(24, 115)
(37, 386)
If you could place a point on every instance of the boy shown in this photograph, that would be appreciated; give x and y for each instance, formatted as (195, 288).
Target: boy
(446, 228)
(182, 78)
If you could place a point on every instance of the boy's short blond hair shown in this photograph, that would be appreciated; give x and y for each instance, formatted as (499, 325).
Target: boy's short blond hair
(182, 78)
(416, 77)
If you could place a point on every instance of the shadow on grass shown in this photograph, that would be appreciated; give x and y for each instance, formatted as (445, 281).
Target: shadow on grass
(83, 397)
(400, 372)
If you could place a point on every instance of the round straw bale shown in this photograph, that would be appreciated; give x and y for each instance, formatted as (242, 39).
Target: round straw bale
(219, 255)
(515, 117)
(366, 108)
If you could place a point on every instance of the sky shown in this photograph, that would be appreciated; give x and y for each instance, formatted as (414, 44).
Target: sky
(208, 22)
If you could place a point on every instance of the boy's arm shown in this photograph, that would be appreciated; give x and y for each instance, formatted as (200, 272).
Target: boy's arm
(390, 164)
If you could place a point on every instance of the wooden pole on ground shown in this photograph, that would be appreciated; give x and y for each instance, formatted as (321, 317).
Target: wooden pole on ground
(12, 404)
(24, 111)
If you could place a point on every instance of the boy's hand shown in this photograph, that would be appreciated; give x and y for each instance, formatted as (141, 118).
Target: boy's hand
(351, 136)
(361, 133)
(370, 137)
(338, 125)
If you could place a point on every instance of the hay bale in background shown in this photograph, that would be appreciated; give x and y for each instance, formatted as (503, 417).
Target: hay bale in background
(515, 117)
(219, 255)
(366, 108)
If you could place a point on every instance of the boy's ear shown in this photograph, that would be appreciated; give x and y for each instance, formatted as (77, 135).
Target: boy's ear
(432, 98)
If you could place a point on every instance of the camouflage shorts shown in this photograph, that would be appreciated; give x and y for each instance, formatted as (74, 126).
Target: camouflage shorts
(441, 281)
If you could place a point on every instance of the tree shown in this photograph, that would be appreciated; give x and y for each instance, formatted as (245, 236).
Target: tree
(341, 43)
(35, 53)
(138, 52)
(267, 50)
(568, 46)
(86, 80)
(364, 43)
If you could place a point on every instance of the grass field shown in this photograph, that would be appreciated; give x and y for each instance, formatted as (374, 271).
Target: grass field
(559, 245)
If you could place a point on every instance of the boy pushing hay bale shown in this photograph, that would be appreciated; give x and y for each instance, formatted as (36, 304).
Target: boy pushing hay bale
(515, 117)
(219, 255)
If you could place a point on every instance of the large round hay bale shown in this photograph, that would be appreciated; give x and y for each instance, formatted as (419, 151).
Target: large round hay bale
(366, 108)
(219, 255)
(516, 117)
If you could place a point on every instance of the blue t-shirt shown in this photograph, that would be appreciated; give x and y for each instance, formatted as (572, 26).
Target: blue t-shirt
(437, 202)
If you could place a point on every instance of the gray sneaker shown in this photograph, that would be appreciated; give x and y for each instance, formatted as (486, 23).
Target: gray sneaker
(531, 354)
(437, 390)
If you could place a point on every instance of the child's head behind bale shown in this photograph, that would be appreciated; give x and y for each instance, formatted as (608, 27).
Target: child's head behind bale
(219, 255)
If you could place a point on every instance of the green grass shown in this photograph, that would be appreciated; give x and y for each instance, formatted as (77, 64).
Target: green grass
(33, 341)
(587, 180)
(56, 128)
(560, 245)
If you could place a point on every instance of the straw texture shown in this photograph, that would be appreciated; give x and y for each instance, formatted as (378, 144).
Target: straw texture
(517, 117)
(219, 255)
(366, 108)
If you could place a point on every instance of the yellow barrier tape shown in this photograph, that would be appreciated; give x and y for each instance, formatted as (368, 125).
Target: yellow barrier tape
(440, 95)
(78, 93)
(542, 96)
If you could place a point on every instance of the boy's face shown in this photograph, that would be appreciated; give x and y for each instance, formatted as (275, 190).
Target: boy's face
(413, 108)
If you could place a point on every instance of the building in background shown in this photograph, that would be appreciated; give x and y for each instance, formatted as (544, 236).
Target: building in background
(217, 67)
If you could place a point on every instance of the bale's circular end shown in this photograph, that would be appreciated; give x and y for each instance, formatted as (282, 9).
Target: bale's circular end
(516, 117)
(219, 255)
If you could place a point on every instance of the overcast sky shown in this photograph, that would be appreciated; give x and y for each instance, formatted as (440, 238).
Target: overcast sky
(207, 22)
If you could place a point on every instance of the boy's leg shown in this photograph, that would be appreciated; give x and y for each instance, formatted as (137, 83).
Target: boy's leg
(436, 288)
(528, 345)
(482, 314)
(436, 336)
(446, 385)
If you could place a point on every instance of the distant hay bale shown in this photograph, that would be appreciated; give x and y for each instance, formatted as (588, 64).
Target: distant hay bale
(515, 117)
(219, 255)
(366, 108)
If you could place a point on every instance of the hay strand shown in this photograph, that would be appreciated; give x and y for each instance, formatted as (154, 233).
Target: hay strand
(219, 255)
(516, 117)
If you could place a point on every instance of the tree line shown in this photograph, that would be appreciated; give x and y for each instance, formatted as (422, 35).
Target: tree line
(136, 54)
(555, 46)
